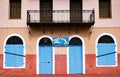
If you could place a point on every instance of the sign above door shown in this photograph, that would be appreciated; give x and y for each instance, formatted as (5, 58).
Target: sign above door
(63, 41)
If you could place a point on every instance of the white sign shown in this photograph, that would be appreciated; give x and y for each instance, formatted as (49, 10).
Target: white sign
(60, 41)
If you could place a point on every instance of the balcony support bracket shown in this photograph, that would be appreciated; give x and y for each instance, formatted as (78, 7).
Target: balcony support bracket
(28, 29)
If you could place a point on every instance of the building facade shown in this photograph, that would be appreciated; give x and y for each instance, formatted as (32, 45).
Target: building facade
(59, 37)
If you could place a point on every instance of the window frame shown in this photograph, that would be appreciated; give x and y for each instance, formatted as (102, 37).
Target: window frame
(10, 13)
(110, 16)
(115, 41)
(24, 52)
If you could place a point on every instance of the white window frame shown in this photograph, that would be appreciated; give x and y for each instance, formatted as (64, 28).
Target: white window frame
(115, 50)
(24, 51)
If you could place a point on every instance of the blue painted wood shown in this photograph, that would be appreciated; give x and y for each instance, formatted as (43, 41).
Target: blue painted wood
(75, 60)
(106, 54)
(12, 55)
(45, 60)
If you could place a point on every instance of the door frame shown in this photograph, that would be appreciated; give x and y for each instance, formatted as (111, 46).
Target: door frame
(37, 54)
(83, 53)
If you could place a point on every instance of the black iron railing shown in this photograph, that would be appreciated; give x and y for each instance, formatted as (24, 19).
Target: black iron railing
(60, 16)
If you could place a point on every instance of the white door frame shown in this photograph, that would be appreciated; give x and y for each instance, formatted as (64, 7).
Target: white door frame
(37, 54)
(83, 54)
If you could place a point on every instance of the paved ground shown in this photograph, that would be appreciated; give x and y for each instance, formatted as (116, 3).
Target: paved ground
(60, 75)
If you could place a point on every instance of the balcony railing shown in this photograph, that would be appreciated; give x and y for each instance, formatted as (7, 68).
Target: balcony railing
(60, 16)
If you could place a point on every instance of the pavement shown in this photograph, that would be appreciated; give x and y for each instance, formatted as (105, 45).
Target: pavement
(110, 75)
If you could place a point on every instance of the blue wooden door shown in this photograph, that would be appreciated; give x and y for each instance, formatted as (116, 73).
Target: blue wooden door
(75, 60)
(14, 55)
(45, 60)
(106, 54)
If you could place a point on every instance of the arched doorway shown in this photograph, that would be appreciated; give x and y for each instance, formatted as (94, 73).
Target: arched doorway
(45, 56)
(14, 54)
(75, 56)
(106, 51)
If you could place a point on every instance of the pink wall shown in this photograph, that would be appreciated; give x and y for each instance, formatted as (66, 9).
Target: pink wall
(92, 69)
(30, 67)
(60, 64)
(59, 5)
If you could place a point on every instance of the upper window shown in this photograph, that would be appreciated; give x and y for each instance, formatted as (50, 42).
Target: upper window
(15, 9)
(104, 8)
(75, 11)
(45, 10)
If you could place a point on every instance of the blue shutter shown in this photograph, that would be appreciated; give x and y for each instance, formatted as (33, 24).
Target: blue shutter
(14, 55)
(106, 54)
(9, 59)
(75, 60)
(45, 60)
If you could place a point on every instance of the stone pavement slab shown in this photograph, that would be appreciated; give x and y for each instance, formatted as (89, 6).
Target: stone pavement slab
(112, 75)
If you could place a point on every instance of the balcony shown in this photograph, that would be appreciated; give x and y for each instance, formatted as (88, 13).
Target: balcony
(60, 17)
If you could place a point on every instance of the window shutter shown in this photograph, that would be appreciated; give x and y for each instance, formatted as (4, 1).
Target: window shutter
(106, 54)
(14, 55)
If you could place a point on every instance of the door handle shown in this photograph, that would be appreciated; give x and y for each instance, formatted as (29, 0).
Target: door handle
(48, 62)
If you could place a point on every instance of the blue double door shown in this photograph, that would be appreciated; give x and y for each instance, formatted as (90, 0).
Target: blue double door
(46, 60)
